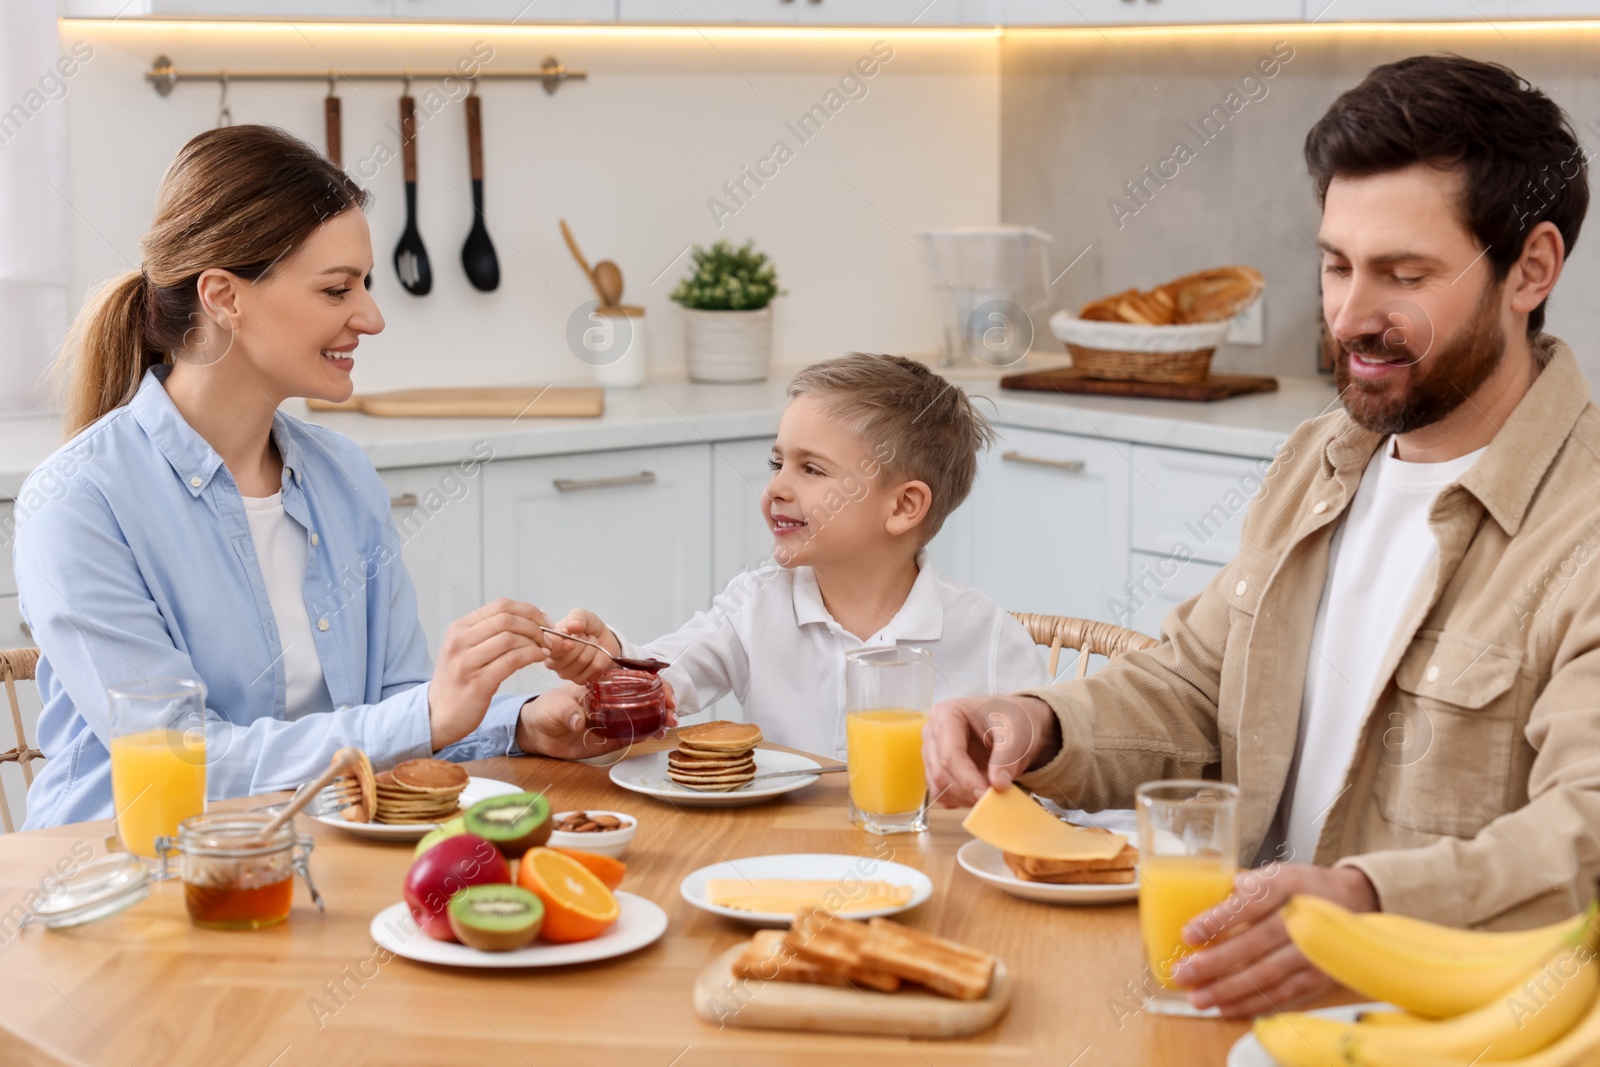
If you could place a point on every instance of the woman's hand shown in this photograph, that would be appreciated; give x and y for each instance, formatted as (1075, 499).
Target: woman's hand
(575, 662)
(555, 723)
(480, 651)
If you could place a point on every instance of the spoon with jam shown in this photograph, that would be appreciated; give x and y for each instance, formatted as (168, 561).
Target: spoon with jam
(651, 666)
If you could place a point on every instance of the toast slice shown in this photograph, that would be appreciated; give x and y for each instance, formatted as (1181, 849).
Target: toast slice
(1088, 872)
(822, 938)
(943, 966)
(766, 958)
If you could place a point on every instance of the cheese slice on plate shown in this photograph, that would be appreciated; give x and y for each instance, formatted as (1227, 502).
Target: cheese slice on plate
(1012, 822)
(789, 895)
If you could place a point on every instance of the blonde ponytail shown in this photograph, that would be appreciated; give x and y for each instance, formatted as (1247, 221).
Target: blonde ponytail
(238, 198)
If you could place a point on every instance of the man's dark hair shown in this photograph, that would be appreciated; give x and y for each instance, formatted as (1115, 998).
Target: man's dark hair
(1518, 157)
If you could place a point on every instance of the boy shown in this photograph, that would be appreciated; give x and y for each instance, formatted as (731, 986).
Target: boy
(873, 453)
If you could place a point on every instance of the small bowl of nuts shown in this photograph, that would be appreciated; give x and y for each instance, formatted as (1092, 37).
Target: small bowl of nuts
(604, 832)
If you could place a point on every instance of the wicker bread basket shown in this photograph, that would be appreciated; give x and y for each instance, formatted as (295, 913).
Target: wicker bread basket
(1127, 351)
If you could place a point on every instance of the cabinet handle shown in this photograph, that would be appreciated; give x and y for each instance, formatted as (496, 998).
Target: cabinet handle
(404, 500)
(1074, 465)
(574, 485)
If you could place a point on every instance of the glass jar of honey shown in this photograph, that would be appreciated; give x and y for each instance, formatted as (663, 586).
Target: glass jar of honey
(233, 878)
(625, 705)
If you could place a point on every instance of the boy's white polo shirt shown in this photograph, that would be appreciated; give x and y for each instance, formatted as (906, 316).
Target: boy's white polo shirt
(770, 642)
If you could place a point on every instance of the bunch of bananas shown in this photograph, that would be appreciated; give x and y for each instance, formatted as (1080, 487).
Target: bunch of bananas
(1531, 997)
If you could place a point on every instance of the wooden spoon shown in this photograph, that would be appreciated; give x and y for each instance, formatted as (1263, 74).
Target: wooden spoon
(608, 282)
(572, 245)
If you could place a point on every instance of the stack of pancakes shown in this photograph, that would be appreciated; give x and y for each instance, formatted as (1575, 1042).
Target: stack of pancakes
(714, 757)
(419, 791)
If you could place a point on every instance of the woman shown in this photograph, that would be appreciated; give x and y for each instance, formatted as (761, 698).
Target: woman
(190, 529)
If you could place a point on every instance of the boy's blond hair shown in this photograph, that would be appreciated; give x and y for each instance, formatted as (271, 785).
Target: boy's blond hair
(926, 427)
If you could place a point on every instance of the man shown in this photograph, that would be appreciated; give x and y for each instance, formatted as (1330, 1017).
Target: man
(1401, 669)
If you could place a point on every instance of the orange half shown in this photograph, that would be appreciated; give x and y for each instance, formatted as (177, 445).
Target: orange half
(577, 904)
(606, 868)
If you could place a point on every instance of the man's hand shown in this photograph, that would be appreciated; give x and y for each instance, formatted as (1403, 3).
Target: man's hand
(973, 743)
(479, 652)
(574, 662)
(1257, 968)
(555, 723)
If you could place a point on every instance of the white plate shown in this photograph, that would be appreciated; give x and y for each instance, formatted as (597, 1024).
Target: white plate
(648, 775)
(477, 789)
(984, 860)
(810, 866)
(641, 922)
(1247, 1051)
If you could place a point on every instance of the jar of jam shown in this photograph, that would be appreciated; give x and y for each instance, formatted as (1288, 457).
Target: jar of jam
(625, 705)
(233, 878)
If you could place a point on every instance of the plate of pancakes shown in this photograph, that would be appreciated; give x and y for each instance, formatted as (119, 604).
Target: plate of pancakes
(412, 798)
(712, 767)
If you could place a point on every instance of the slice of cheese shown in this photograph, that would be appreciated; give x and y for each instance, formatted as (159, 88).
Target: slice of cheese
(1012, 822)
(789, 895)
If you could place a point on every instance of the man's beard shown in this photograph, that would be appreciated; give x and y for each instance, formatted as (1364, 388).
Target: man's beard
(1434, 386)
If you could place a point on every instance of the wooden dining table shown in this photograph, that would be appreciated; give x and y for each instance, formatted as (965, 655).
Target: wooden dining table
(145, 988)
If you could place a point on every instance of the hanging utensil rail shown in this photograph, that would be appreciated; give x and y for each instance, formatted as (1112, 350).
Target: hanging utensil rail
(163, 75)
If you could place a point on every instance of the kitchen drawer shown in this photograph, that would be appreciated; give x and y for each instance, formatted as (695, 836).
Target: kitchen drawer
(626, 534)
(12, 636)
(1193, 499)
(8, 538)
(1156, 585)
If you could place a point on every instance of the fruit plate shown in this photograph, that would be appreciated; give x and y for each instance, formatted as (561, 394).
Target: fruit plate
(477, 789)
(648, 775)
(985, 861)
(812, 866)
(641, 923)
(1247, 1051)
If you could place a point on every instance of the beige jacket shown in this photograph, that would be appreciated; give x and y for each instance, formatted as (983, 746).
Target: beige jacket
(1473, 798)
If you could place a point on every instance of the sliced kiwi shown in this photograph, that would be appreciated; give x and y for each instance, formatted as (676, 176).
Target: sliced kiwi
(495, 918)
(515, 822)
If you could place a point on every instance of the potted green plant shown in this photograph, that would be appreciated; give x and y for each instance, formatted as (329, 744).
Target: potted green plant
(727, 308)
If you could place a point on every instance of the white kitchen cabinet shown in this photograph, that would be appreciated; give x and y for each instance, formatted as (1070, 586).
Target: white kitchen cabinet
(1051, 523)
(626, 534)
(1553, 9)
(709, 12)
(1407, 10)
(1140, 12)
(892, 12)
(439, 514)
(507, 11)
(740, 539)
(13, 636)
(1156, 585)
(1196, 500)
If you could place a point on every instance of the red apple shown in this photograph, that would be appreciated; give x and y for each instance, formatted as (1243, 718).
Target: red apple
(445, 870)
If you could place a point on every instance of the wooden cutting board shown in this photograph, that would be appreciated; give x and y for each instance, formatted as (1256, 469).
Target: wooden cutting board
(1072, 380)
(509, 402)
(721, 998)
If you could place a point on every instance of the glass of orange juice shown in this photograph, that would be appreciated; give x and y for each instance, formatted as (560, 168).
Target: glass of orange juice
(158, 758)
(888, 693)
(1188, 852)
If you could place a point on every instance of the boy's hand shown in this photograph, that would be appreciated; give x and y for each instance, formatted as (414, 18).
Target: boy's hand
(555, 723)
(574, 662)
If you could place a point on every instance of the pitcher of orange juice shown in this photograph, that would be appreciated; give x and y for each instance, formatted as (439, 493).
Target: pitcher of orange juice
(888, 694)
(158, 758)
(1188, 851)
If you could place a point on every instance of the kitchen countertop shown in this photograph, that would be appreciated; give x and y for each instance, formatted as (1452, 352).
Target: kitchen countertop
(672, 410)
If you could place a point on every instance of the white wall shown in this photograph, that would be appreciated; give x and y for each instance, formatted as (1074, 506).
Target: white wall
(629, 158)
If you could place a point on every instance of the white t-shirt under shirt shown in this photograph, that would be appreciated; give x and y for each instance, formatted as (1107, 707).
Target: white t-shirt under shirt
(282, 552)
(769, 640)
(1380, 553)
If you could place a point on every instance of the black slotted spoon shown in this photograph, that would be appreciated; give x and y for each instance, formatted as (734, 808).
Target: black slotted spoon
(477, 254)
(410, 257)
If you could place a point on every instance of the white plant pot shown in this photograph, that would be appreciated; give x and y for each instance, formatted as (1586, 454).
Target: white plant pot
(727, 346)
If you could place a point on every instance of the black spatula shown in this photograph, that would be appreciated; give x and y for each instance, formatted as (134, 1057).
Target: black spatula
(410, 257)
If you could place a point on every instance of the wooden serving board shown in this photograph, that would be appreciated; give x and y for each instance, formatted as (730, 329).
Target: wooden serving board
(721, 998)
(509, 402)
(1072, 380)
